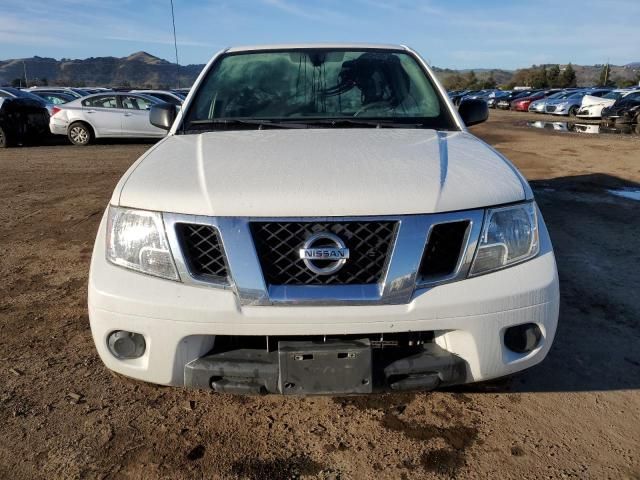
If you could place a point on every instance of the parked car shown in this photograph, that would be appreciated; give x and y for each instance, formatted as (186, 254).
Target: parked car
(571, 104)
(591, 106)
(465, 93)
(521, 104)
(111, 114)
(182, 91)
(162, 95)
(12, 92)
(505, 102)
(480, 94)
(75, 92)
(22, 120)
(339, 237)
(624, 111)
(54, 98)
(495, 98)
(538, 106)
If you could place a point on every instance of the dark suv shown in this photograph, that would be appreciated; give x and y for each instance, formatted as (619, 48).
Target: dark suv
(22, 120)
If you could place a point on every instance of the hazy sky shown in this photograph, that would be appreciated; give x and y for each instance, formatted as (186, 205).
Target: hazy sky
(455, 34)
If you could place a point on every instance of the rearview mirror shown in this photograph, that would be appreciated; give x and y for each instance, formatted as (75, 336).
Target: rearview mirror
(473, 111)
(162, 115)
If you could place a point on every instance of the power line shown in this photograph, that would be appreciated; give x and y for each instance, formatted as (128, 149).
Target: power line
(175, 45)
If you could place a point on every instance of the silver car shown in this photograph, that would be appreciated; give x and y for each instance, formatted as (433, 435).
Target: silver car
(570, 104)
(105, 115)
(163, 95)
(538, 106)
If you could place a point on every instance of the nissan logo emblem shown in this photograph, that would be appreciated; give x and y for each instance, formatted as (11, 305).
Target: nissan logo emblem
(327, 248)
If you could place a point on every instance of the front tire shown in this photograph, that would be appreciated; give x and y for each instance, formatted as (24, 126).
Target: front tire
(573, 111)
(5, 140)
(80, 134)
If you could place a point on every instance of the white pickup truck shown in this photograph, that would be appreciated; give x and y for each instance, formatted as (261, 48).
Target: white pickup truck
(319, 221)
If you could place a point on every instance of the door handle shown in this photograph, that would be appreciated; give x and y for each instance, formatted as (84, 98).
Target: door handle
(91, 111)
(127, 114)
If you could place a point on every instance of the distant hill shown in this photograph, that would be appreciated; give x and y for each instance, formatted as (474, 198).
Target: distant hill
(586, 75)
(142, 69)
(139, 69)
(502, 77)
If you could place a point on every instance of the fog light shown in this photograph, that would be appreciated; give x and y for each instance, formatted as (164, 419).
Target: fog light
(522, 338)
(126, 345)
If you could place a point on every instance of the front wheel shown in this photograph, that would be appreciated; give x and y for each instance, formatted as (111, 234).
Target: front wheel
(80, 134)
(5, 141)
(573, 111)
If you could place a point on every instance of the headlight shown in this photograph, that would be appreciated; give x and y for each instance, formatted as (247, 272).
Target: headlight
(562, 105)
(509, 236)
(136, 239)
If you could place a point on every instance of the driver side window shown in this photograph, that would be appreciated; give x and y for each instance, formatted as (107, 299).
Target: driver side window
(135, 103)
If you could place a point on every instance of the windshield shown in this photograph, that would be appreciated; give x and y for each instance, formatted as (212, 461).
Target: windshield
(556, 95)
(563, 95)
(311, 85)
(613, 95)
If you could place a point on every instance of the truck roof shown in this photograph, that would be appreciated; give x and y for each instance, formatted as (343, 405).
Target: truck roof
(298, 46)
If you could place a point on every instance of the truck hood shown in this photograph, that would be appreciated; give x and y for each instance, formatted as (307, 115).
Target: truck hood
(319, 172)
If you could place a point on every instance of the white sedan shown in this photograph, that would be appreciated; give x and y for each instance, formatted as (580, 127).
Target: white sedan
(105, 115)
(592, 106)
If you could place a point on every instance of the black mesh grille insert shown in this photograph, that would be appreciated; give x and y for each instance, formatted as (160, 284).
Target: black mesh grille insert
(203, 250)
(443, 249)
(278, 244)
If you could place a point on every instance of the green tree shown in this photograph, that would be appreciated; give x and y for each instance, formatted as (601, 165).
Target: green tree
(16, 82)
(553, 76)
(471, 80)
(454, 82)
(605, 77)
(538, 78)
(488, 82)
(521, 78)
(624, 82)
(568, 77)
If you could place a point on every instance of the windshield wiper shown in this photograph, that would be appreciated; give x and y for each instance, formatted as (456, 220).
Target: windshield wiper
(355, 122)
(229, 123)
(234, 122)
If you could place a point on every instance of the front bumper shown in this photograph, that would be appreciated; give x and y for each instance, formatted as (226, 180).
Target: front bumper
(588, 113)
(564, 110)
(466, 318)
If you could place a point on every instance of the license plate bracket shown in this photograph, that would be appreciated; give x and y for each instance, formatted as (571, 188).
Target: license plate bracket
(329, 368)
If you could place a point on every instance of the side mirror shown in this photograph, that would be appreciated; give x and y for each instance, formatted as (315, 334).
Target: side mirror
(473, 111)
(162, 115)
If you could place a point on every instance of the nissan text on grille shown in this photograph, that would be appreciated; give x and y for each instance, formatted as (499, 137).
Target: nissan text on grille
(319, 220)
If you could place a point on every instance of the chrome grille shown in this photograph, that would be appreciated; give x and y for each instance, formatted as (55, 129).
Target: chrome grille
(203, 251)
(278, 243)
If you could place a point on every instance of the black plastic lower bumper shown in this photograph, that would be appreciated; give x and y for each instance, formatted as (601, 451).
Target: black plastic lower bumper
(334, 367)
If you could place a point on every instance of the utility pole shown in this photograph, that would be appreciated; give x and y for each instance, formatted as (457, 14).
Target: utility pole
(606, 73)
(175, 45)
(24, 68)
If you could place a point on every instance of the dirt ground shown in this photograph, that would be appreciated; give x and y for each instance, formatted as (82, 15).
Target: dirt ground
(577, 415)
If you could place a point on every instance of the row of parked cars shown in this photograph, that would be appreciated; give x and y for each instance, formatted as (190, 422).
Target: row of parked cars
(81, 114)
(612, 106)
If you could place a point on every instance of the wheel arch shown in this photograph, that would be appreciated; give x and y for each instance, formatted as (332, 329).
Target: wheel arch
(75, 120)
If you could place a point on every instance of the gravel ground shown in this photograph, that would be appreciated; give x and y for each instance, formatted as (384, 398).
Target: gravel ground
(577, 415)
